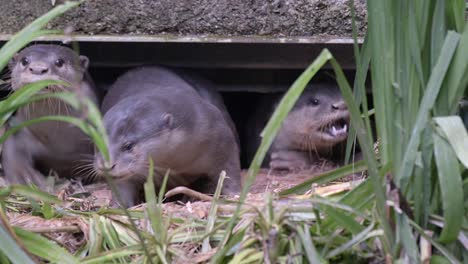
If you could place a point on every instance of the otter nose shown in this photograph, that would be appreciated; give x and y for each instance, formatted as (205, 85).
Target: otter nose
(339, 106)
(38, 68)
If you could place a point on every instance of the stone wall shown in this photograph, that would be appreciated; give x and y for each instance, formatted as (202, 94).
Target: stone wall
(194, 17)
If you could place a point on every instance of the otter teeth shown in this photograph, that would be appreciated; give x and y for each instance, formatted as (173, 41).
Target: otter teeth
(335, 132)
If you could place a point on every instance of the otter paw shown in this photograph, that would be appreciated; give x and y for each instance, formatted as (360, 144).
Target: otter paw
(291, 161)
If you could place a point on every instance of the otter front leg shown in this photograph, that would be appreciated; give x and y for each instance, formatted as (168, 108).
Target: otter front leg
(129, 193)
(18, 163)
(289, 160)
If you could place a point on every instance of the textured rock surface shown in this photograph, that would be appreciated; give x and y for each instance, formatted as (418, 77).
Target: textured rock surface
(188, 17)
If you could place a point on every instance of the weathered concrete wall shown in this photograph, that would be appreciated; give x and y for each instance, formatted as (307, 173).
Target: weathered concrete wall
(187, 17)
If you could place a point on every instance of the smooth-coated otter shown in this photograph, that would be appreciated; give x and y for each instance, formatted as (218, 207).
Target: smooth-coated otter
(151, 112)
(34, 150)
(318, 122)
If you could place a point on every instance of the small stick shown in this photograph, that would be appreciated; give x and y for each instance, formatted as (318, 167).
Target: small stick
(189, 192)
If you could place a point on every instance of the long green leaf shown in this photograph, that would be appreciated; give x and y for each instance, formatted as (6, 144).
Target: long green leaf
(454, 131)
(269, 133)
(326, 177)
(451, 188)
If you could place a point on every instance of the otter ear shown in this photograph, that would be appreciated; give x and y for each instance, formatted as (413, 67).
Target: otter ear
(84, 62)
(13, 61)
(168, 120)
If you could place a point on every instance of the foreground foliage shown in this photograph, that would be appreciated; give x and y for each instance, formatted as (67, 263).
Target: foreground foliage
(412, 204)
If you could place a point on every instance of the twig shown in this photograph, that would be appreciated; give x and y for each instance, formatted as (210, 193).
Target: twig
(189, 192)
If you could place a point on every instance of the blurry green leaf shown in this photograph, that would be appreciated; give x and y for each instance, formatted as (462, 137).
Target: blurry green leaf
(95, 236)
(438, 30)
(308, 246)
(47, 210)
(31, 31)
(457, 76)
(358, 238)
(407, 238)
(44, 248)
(35, 194)
(245, 256)
(344, 220)
(269, 133)
(436, 259)
(451, 188)
(21, 97)
(12, 250)
(437, 245)
(427, 103)
(455, 13)
(110, 255)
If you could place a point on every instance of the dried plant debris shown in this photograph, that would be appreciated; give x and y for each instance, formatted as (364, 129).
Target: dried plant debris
(85, 220)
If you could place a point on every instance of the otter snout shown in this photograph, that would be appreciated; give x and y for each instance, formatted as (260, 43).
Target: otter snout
(101, 167)
(38, 68)
(341, 105)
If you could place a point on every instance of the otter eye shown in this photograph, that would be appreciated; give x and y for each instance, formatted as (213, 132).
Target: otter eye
(59, 63)
(24, 61)
(314, 101)
(127, 146)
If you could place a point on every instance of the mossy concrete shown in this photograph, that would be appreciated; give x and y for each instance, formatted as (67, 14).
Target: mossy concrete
(194, 17)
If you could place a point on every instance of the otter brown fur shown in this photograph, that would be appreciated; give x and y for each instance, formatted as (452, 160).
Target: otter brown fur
(317, 123)
(62, 147)
(151, 112)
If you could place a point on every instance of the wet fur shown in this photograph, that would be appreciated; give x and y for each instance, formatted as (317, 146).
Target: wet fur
(165, 118)
(298, 144)
(29, 154)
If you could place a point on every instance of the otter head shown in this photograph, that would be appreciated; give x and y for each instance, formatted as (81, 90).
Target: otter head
(318, 121)
(47, 62)
(138, 129)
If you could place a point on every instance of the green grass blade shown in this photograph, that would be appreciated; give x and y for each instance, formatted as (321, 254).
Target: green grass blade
(451, 188)
(213, 210)
(31, 31)
(20, 98)
(326, 177)
(44, 248)
(270, 131)
(427, 103)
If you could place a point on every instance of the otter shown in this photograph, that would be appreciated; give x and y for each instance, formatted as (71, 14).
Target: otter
(317, 123)
(152, 112)
(35, 150)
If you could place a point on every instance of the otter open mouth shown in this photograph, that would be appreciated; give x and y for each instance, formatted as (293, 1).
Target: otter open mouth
(337, 128)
